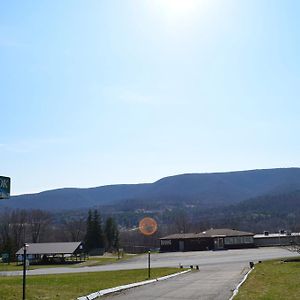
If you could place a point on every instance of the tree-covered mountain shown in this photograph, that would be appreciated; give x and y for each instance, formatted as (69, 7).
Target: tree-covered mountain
(269, 212)
(208, 190)
(279, 204)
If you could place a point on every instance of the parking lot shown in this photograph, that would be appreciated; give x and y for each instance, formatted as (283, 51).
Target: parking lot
(219, 274)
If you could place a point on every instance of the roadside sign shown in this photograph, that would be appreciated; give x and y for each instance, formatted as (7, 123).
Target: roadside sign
(4, 187)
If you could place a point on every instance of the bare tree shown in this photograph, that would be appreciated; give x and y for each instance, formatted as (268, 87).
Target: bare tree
(18, 222)
(38, 221)
(5, 240)
(181, 221)
(75, 229)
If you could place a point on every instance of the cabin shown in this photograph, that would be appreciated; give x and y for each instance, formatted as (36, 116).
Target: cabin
(212, 239)
(52, 253)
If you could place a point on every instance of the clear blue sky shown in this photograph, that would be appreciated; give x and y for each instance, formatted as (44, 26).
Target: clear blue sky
(103, 92)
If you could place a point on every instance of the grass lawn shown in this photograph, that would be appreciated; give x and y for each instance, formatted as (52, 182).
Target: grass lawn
(102, 260)
(71, 286)
(92, 261)
(272, 280)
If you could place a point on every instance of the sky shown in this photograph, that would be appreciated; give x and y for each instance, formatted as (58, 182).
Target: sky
(129, 91)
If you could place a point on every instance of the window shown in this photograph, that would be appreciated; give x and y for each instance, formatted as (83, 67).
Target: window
(248, 239)
(166, 242)
(228, 240)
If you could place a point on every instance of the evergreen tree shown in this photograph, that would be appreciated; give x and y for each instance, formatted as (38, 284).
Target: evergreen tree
(94, 235)
(98, 238)
(112, 234)
(116, 240)
(89, 232)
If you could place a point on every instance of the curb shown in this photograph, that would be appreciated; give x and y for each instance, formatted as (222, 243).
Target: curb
(240, 284)
(128, 286)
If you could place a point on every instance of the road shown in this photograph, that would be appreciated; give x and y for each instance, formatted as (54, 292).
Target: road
(174, 259)
(210, 283)
(220, 272)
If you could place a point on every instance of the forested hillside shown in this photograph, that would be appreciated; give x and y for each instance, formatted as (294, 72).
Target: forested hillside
(269, 212)
(202, 190)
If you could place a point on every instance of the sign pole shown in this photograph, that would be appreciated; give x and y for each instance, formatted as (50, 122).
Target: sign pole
(148, 227)
(149, 266)
(24, 271)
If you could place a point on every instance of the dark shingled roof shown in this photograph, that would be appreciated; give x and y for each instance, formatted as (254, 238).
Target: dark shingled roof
(223, 232)
(51, 248)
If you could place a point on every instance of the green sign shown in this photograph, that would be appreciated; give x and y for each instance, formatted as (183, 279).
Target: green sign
(4, 187)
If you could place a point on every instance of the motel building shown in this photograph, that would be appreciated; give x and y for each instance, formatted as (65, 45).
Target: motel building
(212, 239)
(282, 238)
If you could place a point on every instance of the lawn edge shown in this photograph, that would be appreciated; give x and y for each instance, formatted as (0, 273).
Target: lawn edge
(128, 286)
(236, 290)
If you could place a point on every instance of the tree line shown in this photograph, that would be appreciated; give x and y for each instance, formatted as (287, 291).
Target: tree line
(22, 226)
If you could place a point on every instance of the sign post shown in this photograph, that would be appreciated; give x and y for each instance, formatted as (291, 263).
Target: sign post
(149, 266)
(24, 270)
(4, 187)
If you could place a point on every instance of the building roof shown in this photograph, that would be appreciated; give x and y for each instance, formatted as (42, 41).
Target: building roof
(223, 232)
(227, 232)
(276, 235)
(51, 248)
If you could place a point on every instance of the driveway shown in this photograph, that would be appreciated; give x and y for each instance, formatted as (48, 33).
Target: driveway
(220, 272)
(214, 283)
(218, 259)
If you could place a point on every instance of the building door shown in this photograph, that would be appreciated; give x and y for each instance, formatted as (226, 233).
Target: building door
(218, 243)
(221, 243)
(181, 245)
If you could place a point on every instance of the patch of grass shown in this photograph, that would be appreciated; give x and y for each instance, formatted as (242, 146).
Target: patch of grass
(9, 267)
(92, 261)
(15, 267)
(101, 260)
(272, 280)
(71, 286)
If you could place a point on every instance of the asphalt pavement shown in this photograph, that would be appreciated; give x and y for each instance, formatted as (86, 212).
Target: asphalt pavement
(210, 283)
(175, 259)
(219, 274)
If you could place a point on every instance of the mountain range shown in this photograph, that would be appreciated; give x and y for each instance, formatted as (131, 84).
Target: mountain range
(208, 190)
